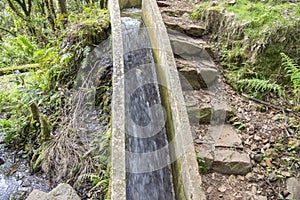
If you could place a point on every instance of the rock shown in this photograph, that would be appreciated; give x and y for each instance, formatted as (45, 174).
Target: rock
(183, 26)
(232, 2)
(228, 138)
(286, 174)
(258, 157)
(273, 177)
(185, 46)
(250, 177)
(203, 112)
(208, 75)
(293, 186)
(62, 192)
(231, 162)
(259, 197)
(38, 195)
(257, 138)
(195, 75)
(186, 16)
(222, 188)
(194, 30)
(285, 193)
(206, 154)
(209, 189)
(26, 183)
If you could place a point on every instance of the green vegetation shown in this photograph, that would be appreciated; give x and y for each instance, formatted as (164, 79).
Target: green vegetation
(260, 86)
(252, 38)
(35, 106)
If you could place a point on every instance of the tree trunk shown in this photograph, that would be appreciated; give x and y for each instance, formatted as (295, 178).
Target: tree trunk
(62, 6)
(50, 14)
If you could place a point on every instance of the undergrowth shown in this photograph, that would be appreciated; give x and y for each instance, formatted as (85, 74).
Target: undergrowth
(260, 86)
(248, 39)
(45, 96)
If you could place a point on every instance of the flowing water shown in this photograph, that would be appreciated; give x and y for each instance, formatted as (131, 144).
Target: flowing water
(147, 177)
(16, 179)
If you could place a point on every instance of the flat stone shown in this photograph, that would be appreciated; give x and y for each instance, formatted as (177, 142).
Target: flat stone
(61, 192)
(228, 138)
(185, 46)
(293, 186)
(194, 30)
(208, 114)
(231, 162)
(183, 26)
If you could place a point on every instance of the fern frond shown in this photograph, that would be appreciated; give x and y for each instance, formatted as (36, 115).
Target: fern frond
(293, 70)
(260, 85)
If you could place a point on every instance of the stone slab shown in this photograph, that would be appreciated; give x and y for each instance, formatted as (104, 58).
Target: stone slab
(293, 186)
(228, 137)
(231, 162)
(195, 75)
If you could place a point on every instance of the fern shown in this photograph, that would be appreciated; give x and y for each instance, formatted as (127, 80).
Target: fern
(259, 85)
(293, 70)
(97, 179)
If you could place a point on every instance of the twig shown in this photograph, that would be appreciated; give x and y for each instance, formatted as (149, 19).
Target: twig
(271, 186)
(269, 104)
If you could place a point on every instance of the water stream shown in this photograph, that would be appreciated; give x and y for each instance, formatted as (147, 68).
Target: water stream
(147, 178)
(16, 179)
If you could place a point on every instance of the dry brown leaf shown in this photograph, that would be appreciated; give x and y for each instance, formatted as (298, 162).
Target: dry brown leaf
(13, 170)
(268, 162)
(232, 119)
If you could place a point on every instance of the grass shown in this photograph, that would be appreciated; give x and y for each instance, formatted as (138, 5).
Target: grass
(263, 14)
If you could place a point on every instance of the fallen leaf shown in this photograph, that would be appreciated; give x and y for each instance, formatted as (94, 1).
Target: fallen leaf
(232, 119)
(268, 162)
(13, 170)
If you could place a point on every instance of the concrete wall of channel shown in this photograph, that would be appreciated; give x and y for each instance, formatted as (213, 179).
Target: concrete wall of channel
(118, 170)
(186, 178)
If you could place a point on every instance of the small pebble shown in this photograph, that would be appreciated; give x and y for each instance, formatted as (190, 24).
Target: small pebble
(273, 177)
(286, 174)
(26, 183)
(209, 189)
(222, 188)
(258, 158)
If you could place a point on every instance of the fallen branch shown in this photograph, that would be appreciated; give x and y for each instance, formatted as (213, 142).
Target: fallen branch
(23, 68)
(268, 104)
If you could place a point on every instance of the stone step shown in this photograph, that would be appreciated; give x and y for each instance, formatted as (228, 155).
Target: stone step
(195, 75)
(202, 108)
(182, 25)
(225, 161)
(62, 192)
(185, 46)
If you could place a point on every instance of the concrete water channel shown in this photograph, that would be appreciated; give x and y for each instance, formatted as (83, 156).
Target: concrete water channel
(154, 161)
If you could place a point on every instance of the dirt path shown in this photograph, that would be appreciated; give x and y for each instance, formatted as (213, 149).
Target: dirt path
(268, 137)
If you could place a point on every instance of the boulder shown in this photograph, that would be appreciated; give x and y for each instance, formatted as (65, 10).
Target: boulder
(61, 192)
